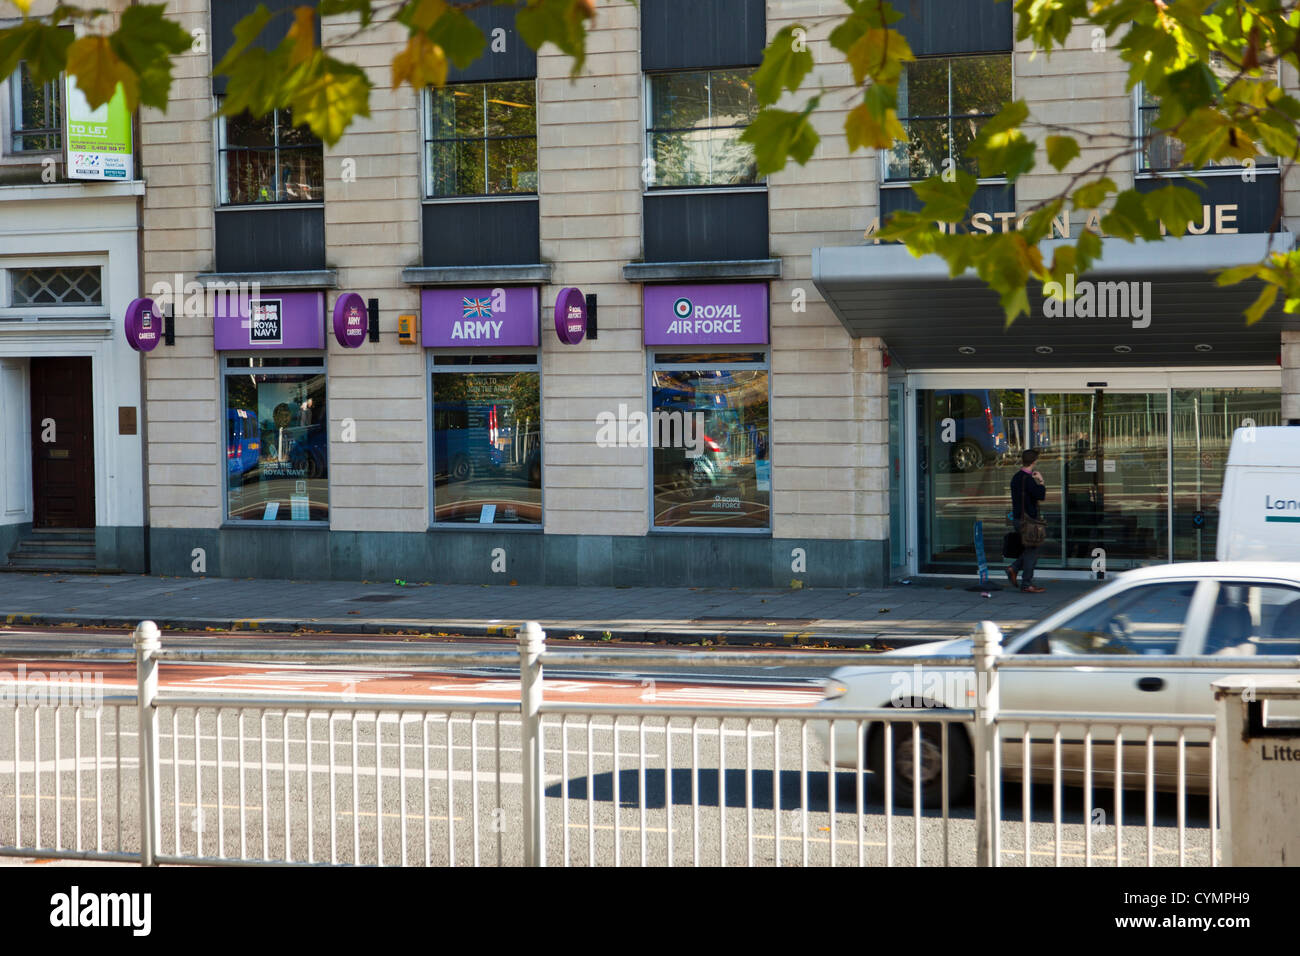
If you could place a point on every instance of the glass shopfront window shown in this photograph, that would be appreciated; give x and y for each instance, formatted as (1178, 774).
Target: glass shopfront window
(487, 439)
(277, 445)
(1132, 475)
(709, 437)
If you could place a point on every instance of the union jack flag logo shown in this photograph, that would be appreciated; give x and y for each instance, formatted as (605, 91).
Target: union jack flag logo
(476, 308)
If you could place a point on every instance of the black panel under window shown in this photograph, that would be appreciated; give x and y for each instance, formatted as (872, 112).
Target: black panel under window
(481, 233)
(939, 27)
(689, 34)
(1234, 205)
(706, 227)
(270, 240)
(226, 13)
(516, 61)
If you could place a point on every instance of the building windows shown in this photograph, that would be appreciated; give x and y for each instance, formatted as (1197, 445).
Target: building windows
(710, 427)
(269, 160)
(487, 439)
(36, 114)
(277, 448)
(57, 285)
(481, 139)
(1160, 153)
(943, 102)
(694, 123)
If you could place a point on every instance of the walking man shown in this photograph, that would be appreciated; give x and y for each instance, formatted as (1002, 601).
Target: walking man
(1027, 490)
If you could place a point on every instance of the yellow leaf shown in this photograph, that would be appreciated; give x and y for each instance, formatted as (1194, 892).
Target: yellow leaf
(99, 71)
(23, 5)
(303, 35)
(862, 129)
(423, 63)
(328, 103)
(879, 54)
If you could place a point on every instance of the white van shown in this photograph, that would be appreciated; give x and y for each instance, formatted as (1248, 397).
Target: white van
(1259, 514)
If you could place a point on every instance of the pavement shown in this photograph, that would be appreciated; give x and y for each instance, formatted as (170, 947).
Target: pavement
(924, 609)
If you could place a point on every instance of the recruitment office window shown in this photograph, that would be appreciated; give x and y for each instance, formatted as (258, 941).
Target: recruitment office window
(486, 439)
(1160, 153)
(277, 444)
(481, 139)
(268, 159)
(709, 435)
(943, 102)
(694, 121)
(35, 114)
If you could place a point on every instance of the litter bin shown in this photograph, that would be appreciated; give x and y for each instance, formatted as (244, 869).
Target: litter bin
(1258, 729)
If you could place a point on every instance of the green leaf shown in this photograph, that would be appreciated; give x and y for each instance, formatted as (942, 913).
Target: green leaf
(784, 66)
(99, 71)
(330, 8)
(946, 201)
(1240, 274)
(256, 84)
(1092, 195)
(146, 41)
(1060, 150)
(777, 135)
(1129, 218)
(1267, 296)
(1087, 250)
(329, 100)
(1001, 146)
(879, 54)
(459, 36)
(246, 31)
(1175, 207)
(44, 47)
(562, 22)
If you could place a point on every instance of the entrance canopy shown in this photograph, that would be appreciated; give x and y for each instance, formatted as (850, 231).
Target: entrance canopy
(1143, 304)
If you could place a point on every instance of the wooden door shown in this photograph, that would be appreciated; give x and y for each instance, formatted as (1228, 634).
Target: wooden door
(63, 443)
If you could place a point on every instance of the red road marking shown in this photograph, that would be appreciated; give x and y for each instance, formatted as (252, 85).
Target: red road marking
(333, 682)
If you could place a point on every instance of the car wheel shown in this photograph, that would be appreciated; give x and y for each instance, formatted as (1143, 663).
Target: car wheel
(461, 470)
(967, 456)
(931, 766)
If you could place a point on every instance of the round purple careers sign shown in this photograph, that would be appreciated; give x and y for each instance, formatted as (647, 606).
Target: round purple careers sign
(570, 316)
(351, 320)
(143, 323)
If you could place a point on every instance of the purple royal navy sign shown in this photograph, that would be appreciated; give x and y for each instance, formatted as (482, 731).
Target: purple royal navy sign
(280, 320)
(722, 314)
(458, 317)
(351, 320)
(571, 316)
(143, 323)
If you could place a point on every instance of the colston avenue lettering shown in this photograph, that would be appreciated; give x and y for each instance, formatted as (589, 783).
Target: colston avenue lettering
(1218, 219)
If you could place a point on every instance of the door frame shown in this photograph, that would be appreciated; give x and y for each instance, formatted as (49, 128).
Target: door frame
(1150, 379)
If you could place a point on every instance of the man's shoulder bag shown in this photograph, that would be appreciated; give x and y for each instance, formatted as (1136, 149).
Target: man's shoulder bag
(1033, 531)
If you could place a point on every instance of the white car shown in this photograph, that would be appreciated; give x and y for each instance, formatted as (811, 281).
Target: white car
(1210, 610)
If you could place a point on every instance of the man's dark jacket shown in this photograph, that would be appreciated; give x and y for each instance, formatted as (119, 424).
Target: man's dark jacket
(1025, 495)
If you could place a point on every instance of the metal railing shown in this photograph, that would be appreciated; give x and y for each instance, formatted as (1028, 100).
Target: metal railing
(168, 777)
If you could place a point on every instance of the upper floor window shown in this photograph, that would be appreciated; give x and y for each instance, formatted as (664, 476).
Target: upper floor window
(35, 114)
(1159, 152)
(58, 285)
(694, 124)
(481, 139)
(942, 103)
(269, 160)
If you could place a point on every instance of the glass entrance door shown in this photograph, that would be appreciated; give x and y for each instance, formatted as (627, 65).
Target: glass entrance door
(1104, 456)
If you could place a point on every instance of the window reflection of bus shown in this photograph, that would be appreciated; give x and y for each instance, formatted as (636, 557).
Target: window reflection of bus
(243, 441)
(483, 439)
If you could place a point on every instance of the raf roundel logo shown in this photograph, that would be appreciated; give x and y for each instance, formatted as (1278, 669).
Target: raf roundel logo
(682, 308)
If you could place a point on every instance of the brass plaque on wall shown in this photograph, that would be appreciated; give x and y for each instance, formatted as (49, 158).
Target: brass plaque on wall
(126, 420)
